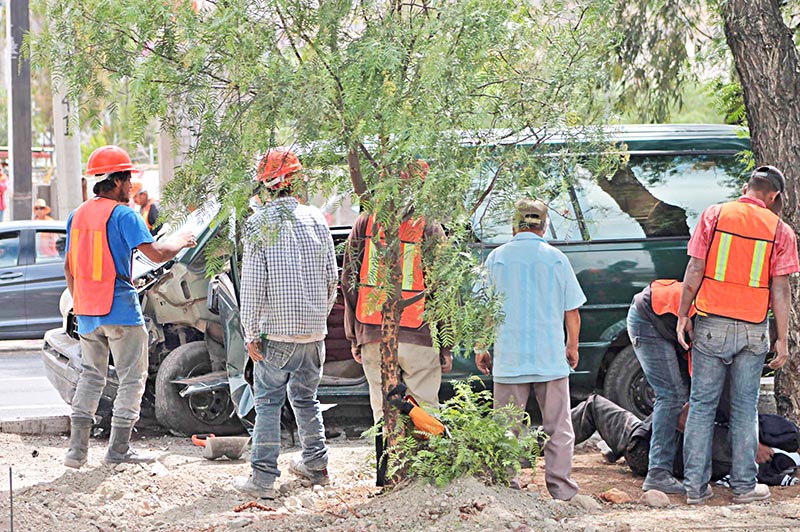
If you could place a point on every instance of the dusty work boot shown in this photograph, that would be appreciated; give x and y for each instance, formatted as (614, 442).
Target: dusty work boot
(759, 493)
(315, 477)
(120, 450)
(249, 487)
(663, 481)
(78, 453)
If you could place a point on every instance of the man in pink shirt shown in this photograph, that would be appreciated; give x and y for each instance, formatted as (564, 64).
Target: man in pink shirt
(741, 257)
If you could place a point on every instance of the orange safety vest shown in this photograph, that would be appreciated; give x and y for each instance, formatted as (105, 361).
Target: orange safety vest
(371, 293)
(145, 212)
(90, 259)
(736, 280)
(665, 297)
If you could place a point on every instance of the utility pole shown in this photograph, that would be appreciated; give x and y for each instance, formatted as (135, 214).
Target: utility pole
(68, 192)
(19, 111)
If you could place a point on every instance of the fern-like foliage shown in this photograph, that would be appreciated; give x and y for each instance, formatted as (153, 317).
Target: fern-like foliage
(481, 442)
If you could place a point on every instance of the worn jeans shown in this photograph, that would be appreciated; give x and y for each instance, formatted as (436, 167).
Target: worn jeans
(296, 368)
(128, 346)
(659, 361)
(737, 349)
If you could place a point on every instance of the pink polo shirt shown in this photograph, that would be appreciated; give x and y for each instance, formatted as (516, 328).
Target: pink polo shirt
(784, 254)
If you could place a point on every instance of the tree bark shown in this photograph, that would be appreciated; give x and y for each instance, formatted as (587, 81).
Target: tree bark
(767, 62)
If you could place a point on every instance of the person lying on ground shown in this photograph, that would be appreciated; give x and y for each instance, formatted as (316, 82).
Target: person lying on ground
(629, 437)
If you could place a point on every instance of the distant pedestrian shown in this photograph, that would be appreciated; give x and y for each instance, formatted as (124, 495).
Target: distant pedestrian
(148, 208)
(741, 257)
(541, 297)
(101, 236)
(3, 188)
(289, 281)
(45, 242)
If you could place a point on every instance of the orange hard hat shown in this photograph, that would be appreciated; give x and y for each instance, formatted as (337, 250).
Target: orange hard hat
(277, 166)
(107, 160)
(418, 168)
(136, 186)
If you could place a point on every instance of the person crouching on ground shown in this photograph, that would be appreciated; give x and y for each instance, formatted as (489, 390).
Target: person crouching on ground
(289, 279)
(540, 296)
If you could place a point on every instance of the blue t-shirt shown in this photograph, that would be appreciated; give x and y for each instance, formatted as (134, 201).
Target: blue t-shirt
(537, 285)
(126, 231)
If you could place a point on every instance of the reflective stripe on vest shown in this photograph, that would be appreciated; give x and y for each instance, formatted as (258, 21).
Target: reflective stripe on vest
(736, 280)
(665, 297)
(371, 292)
(90, 259)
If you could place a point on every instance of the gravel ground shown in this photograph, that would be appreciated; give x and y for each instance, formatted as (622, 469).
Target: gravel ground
(185, 492)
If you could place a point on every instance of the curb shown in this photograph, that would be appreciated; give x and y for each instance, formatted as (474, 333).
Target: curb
(17, 346)
(51, 425)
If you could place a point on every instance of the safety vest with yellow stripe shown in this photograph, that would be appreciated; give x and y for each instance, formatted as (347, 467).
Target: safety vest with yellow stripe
(90, 259)
(736, 280)
(145, 212)
(371, 293)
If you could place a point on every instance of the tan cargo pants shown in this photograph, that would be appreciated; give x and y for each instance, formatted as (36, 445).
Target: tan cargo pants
(420, 370)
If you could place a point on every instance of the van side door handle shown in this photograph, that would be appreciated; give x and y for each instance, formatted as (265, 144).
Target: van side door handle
(10, 275)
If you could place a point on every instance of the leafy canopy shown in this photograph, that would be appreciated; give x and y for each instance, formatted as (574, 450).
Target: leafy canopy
(359, 88)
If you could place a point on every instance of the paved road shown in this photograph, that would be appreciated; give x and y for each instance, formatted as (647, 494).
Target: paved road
(24, 389)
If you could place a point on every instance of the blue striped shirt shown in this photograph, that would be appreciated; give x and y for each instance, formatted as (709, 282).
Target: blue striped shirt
(537, 286)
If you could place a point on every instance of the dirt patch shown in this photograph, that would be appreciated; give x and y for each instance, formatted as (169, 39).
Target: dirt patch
(184, 492)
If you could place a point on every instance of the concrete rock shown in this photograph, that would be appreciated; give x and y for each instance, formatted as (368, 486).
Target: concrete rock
(726, 512)
(238, 523)
(585, 502)
(616, 496)
(622, 527)
(655, 498)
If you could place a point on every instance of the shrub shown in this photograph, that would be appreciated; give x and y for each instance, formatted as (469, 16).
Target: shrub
(480, 441)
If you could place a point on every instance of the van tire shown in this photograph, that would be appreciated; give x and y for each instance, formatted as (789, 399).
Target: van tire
(626, 384)
(182, 415)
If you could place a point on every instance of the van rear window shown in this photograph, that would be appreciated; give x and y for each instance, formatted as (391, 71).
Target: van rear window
(650, 196)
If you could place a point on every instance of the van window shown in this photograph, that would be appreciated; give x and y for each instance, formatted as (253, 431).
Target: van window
(650, 196)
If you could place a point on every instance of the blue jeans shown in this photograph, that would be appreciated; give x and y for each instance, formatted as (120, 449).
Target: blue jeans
(659, 360)
(736, 349)
(298, 369)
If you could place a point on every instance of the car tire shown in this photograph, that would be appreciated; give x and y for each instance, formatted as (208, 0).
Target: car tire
(626, 384)
(203, 413)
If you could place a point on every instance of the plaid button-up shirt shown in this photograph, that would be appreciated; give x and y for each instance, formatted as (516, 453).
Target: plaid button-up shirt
(289, 273)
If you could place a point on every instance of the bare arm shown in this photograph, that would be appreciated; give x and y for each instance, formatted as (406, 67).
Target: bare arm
(691, 285)
(68, 275)
(163, 251)
(781, 300)
(572, 320)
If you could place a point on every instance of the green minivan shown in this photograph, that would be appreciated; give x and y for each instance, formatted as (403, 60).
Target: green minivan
(619, 233)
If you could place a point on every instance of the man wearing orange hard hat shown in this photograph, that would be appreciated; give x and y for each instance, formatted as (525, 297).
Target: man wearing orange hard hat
(101, 236)
(289, 281)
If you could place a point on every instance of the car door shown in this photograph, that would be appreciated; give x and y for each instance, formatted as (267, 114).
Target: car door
(12, 286)
(45, 280)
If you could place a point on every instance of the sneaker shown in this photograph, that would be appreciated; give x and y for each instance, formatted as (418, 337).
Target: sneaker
(664, 483)
(318, 477)
(759, 493)
(702, 498)
(247, 486)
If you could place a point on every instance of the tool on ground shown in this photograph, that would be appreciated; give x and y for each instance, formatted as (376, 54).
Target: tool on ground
(424, 422)
(216, 447)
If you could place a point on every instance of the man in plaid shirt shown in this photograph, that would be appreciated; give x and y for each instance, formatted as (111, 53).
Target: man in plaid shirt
(289, 280)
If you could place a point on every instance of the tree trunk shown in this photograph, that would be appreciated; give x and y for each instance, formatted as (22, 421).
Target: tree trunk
(767, 62)
(391, 312)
